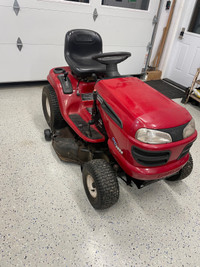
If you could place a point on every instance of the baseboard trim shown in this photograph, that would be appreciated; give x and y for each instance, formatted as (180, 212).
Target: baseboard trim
(177, 85)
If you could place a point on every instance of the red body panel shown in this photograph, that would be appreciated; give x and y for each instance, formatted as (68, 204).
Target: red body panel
(72, 103)
(137, 105)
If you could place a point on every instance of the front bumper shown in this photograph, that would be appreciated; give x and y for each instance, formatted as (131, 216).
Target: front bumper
(175, 156)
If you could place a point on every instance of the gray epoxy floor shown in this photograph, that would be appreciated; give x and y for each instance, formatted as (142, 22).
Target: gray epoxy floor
(46, 219)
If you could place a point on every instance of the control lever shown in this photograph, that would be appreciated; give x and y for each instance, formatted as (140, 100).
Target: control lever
(65, 75)
(94, 111)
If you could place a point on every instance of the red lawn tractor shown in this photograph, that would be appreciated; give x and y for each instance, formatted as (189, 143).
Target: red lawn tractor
(113, 125)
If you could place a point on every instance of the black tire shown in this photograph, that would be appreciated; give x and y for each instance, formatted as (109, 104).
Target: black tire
(51, 108)
(184, 172)
(100, 183)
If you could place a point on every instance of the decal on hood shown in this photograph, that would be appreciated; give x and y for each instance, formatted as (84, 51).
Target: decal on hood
(116, 145)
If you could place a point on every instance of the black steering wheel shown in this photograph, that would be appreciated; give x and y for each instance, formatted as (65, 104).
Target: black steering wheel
(111, 60)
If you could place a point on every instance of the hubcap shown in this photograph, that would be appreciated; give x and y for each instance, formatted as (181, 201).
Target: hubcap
(48, 108)
(91, 186)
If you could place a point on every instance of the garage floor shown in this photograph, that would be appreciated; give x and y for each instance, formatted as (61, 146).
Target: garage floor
(46, 219)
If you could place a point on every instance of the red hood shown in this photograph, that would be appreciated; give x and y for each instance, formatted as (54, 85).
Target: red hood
(132, 99)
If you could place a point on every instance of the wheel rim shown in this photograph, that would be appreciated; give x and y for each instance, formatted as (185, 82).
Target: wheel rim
(48, 108)
(91, 186)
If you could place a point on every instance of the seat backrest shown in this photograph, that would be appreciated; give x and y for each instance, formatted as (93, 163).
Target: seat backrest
(80, 46)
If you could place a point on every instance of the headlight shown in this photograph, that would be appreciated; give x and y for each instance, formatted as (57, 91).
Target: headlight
(152, 136)
(189, 129)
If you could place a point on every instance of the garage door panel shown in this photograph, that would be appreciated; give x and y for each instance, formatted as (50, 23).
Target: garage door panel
(6, 3)
(121, 12)
(129, 28)
(131, 34)
(43, 27)
(9, 25)
(25, 69)
(59, 5)
(35, 27)
(119, 35)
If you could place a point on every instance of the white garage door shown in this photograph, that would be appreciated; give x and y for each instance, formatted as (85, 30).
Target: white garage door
(41, 25)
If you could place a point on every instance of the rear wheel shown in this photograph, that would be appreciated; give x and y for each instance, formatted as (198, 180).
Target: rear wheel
(100, 183)
(51, 108)
(184, 172)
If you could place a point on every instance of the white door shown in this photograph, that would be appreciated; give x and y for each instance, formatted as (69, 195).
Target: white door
(41, 26)
(185, 58)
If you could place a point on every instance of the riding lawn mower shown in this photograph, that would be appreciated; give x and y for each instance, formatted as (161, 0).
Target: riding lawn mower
(113, 125)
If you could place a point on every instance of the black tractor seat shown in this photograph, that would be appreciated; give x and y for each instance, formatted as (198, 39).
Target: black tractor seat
(80, 47)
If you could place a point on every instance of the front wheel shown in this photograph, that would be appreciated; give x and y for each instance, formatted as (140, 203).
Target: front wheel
(100, 183)
(184, 172)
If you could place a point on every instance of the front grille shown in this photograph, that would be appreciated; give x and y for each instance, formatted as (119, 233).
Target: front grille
(175, 132)
(185, 151)
(150, 158)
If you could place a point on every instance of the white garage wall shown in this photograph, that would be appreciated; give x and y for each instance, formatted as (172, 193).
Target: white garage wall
(42, 24)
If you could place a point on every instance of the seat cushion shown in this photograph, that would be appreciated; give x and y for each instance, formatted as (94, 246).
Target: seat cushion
(80, 47)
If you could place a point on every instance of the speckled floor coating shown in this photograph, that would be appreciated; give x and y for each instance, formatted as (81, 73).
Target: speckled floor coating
(46, 219)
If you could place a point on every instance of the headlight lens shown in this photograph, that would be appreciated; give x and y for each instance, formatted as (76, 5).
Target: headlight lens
(189, 129)
(152, 136)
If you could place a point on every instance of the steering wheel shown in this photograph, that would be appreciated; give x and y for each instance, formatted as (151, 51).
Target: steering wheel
(111, 60)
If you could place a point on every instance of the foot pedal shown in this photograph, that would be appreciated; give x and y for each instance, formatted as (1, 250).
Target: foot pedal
(83, 126)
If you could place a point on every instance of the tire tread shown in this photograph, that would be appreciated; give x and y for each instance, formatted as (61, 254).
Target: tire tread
(56, 121)
(184, 172)
(106, 182)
